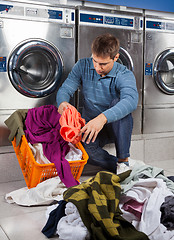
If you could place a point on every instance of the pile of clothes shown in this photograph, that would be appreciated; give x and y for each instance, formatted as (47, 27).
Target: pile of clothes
(98, 216)
(144, 194)
(137, 204)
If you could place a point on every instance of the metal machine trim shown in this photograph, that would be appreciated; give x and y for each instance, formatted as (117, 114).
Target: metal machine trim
(162, 57)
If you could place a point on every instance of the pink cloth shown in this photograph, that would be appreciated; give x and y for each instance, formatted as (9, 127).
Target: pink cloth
(42, 126)
(71, 123)
(134, 207)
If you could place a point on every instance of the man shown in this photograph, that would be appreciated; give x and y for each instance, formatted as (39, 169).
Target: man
(110, 96)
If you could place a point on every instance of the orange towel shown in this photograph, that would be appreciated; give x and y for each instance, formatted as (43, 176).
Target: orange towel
(71, 123)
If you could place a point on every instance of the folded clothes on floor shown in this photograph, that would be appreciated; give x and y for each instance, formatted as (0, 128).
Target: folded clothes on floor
(42, 126)
(71, 123)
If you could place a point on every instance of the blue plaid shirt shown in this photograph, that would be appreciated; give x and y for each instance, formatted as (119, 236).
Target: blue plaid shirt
(100, 91)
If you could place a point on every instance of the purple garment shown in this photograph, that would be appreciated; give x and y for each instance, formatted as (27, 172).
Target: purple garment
(134, 207)
(42, 126)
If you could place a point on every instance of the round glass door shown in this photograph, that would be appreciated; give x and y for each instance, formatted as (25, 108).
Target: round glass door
(35, 68)
(125, 59)
(164, 71)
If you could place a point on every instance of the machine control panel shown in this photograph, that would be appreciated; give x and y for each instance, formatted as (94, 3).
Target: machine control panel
(155, 25)
(160, 25)
(3, 64)
(148, 68)
(91, 18)
(41, 13)
(106, 20)
(118, 21)
(6, 9)
(46, 13)
(54, 14)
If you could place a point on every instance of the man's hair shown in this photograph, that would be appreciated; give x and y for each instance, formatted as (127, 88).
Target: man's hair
(105, 45)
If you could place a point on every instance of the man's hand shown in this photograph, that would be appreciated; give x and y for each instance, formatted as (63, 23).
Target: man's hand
(63, 106)
(92, 128)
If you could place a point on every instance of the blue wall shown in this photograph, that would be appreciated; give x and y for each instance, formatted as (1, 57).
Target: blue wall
(159, 5)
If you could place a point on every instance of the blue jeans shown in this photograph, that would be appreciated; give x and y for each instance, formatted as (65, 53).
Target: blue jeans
(118, 132)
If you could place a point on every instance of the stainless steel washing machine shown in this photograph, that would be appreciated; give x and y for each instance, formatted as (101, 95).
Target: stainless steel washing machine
(159, 74)
(37, 51)
(128, 28)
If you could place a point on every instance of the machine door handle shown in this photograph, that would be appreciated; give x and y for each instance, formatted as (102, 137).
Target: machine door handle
(31, 73)
(21, 69)
(161, 71)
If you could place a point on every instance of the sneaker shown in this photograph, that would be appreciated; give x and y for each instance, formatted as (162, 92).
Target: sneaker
(122, 167)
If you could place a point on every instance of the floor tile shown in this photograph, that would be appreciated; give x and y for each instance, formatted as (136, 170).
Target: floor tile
(158, 149)
(167, 165)
(3, 236)
(10, 169)
(168, 173)
(11, 186)
(7, 149)
(12, 209)
(25, 227)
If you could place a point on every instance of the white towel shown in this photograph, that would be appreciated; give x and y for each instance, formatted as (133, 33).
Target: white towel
(74, 153)
(72, 225)
(44, 193)
(37, 150)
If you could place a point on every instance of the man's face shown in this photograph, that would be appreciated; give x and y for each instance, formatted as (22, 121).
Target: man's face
(103, 65)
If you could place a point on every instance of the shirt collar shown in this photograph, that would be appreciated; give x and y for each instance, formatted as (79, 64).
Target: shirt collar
(111, 73)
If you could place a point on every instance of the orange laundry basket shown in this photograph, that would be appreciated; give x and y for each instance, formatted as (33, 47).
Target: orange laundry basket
(35, 173)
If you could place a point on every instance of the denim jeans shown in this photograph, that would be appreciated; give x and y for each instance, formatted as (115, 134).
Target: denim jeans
(118, 132)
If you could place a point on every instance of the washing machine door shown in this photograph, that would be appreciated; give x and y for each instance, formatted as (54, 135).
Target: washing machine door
(125, 59)
(164, 71)
(35, 67)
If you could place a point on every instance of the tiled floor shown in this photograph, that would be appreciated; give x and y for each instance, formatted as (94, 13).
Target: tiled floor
(25, 223)
(19, 222)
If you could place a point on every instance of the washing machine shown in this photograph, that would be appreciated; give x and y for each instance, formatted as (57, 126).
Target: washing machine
(159, 73)
(128, 28)
(37, 51)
